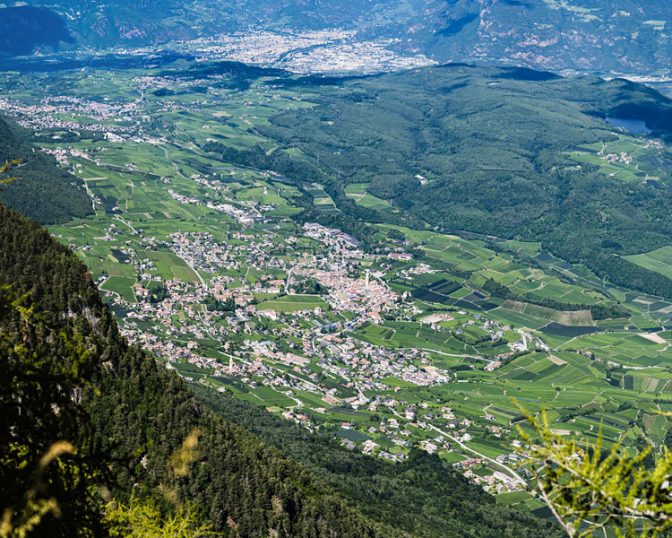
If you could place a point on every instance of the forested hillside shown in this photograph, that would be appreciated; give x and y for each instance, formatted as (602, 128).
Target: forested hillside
(421, 496)
(130, 415)
(42, 191)
(509, 152)
(24, 29)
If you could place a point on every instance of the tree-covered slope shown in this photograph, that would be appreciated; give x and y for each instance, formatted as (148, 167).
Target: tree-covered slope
(492, 151)
(69, 375)
(42, 190)
(420, 496)
(24, 29)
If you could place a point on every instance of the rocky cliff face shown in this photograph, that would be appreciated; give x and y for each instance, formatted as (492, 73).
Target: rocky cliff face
(600, 35)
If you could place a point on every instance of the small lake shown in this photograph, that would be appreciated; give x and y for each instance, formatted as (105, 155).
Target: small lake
(633, 126)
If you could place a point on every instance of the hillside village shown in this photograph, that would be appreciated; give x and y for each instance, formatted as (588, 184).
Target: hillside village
(304, 350)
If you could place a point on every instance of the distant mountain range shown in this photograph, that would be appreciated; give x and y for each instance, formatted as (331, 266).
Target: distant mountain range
(598, 35)
(24, 29)
(629, 36)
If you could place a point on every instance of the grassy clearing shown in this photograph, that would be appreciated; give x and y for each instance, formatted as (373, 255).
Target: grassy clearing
(170, 266)
(659, 261)
(121, 286)
(294, 303)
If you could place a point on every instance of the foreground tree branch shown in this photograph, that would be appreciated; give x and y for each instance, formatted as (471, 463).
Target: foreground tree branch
(589, 488)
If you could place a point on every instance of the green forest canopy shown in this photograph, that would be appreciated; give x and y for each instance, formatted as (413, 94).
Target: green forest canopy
(43, 191)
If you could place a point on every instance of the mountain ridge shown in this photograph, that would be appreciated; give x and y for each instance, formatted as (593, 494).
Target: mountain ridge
(597, 35)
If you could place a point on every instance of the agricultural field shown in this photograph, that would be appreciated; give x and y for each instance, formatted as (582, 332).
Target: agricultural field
(358, 193)
(659, 261)
(169, 266)
(526, 283)
(294, 303)
(121, 286)
(414, 335)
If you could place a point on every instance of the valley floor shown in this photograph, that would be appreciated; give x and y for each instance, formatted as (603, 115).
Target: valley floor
(402, 347)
